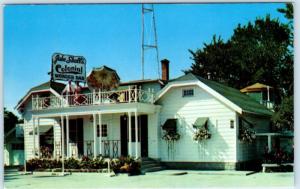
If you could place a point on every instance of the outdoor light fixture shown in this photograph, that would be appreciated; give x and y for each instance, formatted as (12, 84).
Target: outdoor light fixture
(125, 116)
(231, 124)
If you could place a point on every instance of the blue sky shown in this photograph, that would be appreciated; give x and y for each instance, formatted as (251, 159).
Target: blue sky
(110, 35)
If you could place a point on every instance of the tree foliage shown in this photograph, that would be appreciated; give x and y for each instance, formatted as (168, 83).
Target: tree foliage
(10, 120)
(259, 51)
(284, 114)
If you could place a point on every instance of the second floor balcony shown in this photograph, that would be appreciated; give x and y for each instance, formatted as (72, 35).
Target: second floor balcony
(95, 98)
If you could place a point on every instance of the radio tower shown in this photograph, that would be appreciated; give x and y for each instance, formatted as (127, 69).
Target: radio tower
(148, 12)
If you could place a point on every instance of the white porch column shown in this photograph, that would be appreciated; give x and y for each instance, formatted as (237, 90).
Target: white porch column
(38, 136)
(136, 134)
(100, 133)
(95, 134)
(67, 133)
(129, 133)
(33, 134)
(269, 143)
(62, 143)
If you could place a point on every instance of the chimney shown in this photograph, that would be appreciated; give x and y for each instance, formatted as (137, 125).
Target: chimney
(165, 69)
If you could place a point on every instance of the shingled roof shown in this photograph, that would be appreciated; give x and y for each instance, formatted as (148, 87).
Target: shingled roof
(235, 96)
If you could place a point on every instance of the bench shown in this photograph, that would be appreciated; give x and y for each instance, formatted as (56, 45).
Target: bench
(270, 165)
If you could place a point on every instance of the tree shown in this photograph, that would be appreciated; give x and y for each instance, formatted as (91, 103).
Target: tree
(207, 59)
(10, 120)
(284, 114)
(259, 51)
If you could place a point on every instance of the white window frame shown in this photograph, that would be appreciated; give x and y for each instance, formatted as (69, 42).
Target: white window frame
(102, 132)
(188, 89)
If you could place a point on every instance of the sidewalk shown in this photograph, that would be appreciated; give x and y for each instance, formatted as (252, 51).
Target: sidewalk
(161, 179)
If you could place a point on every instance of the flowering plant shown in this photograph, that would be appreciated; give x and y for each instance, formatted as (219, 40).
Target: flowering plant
(246, 134)
(46, 152)
(171, 136)
(202, 134)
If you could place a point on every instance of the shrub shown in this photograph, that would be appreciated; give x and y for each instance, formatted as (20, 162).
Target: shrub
(115, 165)
(37, 163)
(278, 156)
(72, 163)
(85, 163)
(132, 166)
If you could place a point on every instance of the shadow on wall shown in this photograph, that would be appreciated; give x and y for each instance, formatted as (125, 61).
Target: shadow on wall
(213, 149)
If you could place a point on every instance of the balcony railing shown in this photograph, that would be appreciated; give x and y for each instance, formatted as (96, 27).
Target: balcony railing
(96, 98)
(268, 104)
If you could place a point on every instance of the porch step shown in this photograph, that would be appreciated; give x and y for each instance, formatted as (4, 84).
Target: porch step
(150, 165)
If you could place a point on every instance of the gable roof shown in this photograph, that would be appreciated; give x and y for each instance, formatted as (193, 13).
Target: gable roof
(57, 87)
(243, 101)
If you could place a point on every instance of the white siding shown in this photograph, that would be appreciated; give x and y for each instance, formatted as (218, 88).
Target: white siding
(222, 145)
(28, 139)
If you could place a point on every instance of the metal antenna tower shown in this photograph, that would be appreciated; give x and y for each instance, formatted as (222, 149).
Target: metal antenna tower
(149, 10)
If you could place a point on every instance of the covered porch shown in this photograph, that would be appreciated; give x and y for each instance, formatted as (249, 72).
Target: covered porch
(110, 131)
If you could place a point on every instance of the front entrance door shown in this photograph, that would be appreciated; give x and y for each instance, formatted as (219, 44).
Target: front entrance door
(124, 135)
(76, 133)
(144, 135)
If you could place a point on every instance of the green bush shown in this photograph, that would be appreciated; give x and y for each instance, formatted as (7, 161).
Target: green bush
(37, 163)
(85, 163)
(72, 163)
(98, 163)
(133, 166)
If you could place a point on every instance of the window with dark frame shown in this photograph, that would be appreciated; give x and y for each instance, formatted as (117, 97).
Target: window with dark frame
(231, 124)
(187, 92)
(104, 130)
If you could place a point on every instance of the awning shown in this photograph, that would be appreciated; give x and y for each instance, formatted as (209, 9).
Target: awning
(42, 129)
(200, 122)
(170, 124)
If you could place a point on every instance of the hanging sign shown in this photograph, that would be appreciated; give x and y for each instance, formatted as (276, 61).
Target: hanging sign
(68, 67)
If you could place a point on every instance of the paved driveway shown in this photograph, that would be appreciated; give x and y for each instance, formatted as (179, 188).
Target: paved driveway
(165, 179)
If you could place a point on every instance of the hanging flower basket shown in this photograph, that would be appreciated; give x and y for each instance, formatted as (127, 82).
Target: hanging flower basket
(246, 134)
(202, 134)
(171, 136)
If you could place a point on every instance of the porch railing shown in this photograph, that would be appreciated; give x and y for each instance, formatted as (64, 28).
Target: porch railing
(95, 98)
(110, 148)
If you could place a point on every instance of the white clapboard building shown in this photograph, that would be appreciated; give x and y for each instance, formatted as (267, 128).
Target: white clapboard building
(129, 120)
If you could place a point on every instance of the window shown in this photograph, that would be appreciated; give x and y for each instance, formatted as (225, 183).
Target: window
(231, 124)
(187, 92)
(104, 130)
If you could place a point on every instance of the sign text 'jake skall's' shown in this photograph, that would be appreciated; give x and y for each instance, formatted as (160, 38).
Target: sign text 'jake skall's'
(68, 67)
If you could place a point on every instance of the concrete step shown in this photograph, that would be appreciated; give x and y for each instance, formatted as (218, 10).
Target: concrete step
(153, 169)
(150, 165)
(145, 166)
